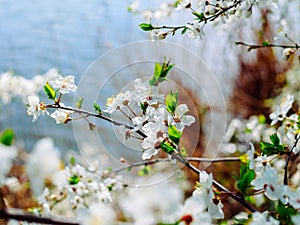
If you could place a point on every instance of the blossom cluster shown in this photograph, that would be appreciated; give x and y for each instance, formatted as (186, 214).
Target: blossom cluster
(203, 12)
(64, 85)
(68, 190)
(159, 119)
(156, 119)
(13, 86)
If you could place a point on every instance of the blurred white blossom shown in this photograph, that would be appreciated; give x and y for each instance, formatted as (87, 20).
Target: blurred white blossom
(43, 162)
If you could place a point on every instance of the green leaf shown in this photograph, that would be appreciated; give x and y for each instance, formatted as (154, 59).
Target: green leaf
(7, 137)
(49, 91)
(176, 3)
(285, 212)
(144, 171)
(184, 30)
(265, 43)
(174, 134)
(247, 175)
(146, 26)
(167, 147)
(245, 181)
(72, 160)
(153, 81)
(74, 179)
(172, 101)
(241, 221)
(143, 107)
(97, 108)
(275, 139)
(157, 70)
(261, 119)
(166, 67)
(199, 16)
(79, 103)
(160, 72)
(272, 148)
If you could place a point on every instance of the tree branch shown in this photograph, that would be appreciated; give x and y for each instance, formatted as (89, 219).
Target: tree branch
(267, 45)
(215, 183)
(285, 178)
(32, 218)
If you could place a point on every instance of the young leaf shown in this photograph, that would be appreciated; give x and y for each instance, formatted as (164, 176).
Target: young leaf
(143, 107)
(272, 148)
(166, 67)
(275, 139)
(72, 161)
(146, 26)
(7, 137)
(246, 177)
(265, 43)
(157, 70)
(144, 171)
(167, 147)
(172, 101)
(49, 91)
(97, 108)
(285, 212)
(184, 30)
(79, 103)
(74, 179)
(160, 72)
(199, 16)
(174, 134)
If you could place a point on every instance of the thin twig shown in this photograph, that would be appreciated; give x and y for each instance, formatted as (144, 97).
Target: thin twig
(214, 160)
(192, 159)
(269, 45)
(100, 116)
(288, 158)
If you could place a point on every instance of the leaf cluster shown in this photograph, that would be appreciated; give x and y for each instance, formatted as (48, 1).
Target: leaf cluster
(172, 101)
(160, 72)
(272, 148)
(243, 183)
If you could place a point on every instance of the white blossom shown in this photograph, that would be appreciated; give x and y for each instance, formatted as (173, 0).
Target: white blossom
(35, 108)
(143, 92)
(157, 35)
(7, 155)
(269, 182)
(150, 145)
(113, 103)
(281, 110)
(97, 214)
(180, 119)
(62, 116)
(204, 193)
(250, 154)
(43, 162)
(195, 30)
(287, 53)
(262, 218)
(65, 84)
(183, 4)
